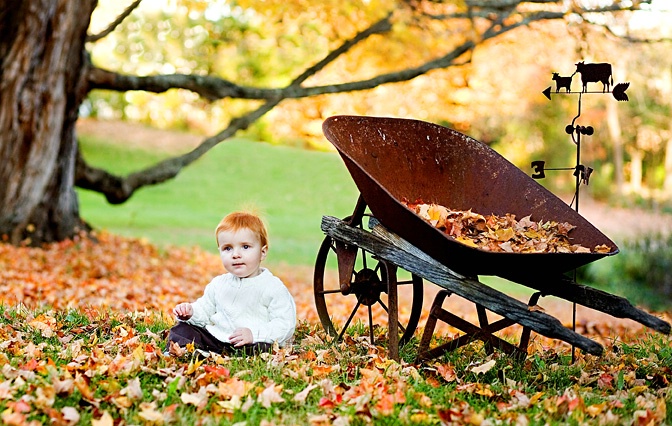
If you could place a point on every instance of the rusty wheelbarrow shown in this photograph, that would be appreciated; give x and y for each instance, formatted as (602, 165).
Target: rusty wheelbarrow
(394, 160)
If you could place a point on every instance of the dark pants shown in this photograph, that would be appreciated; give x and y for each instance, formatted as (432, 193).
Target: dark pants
(183, 333)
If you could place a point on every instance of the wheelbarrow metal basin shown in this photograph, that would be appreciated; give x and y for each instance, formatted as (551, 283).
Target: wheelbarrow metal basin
(393, 160)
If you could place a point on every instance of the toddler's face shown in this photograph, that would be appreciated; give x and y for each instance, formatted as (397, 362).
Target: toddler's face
(241, 252)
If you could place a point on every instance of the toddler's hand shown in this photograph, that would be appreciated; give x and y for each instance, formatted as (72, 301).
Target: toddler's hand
(183, 311)
(241, 336)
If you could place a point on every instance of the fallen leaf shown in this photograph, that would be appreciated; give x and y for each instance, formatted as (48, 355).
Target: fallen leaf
(70, 414)
(447, 371)
(198, 399)
(149, 412)
(231, 405)
(82, 385)
(270, 395)
(193, 366)
(326, 403)
(605, 381)
(217, 371)
(483, 368)
(133, 389)
(104, 420)
(301, 396)
(234, 387)
(385, 405)
(176, 350)
(596, 409)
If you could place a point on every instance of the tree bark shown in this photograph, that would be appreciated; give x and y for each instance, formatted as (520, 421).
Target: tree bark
(42, 85)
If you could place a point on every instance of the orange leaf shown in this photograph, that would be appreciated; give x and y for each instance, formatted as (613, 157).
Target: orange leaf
(82, 384)
(217, 371)
(385, 405)
(447, 371)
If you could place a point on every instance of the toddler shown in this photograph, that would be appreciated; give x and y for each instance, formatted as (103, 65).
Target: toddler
(245, 310)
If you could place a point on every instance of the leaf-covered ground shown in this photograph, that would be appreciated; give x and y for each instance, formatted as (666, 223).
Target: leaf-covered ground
(82, 335)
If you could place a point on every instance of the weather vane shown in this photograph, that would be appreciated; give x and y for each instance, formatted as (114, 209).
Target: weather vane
(590, 73)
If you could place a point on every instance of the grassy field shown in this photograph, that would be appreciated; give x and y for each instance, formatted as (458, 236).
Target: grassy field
(85, 367)
(80, 362)
(291, 188)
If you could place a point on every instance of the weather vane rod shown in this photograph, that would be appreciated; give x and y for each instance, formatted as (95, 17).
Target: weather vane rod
(590, 73)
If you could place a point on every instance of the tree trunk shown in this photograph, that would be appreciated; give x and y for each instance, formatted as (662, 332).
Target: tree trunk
(614, 126)
(636, 160)
(42, 84)
(667, 185)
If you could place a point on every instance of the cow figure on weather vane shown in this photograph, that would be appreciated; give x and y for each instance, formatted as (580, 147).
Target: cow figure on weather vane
(590, 73)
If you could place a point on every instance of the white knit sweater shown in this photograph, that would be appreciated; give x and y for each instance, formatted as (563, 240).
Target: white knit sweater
(261, 303)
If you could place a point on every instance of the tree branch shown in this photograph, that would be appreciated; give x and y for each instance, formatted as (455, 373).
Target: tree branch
(99, 180)
(114, 24)
(215, 88)
(208, 87)
(117, 189)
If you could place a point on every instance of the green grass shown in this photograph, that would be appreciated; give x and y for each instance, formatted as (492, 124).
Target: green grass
(291, 188)
(108, 365)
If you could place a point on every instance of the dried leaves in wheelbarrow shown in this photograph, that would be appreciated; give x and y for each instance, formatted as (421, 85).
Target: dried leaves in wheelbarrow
(501, 233)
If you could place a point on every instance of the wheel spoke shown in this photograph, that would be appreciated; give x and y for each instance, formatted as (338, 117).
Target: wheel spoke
(369, 282)
(364, 259)
(347, 323)
(329, 291)
(403, 329)
(377, 268)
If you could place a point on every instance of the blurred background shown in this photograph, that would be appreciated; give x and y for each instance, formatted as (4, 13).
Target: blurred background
(282, 165)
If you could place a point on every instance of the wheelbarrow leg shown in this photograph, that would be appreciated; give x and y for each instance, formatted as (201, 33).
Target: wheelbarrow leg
(393, 312)
(430, 325)
(483, 322)
(525, 336)
(483, 332)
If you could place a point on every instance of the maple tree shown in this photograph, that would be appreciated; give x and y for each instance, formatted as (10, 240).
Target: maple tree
(47, 72)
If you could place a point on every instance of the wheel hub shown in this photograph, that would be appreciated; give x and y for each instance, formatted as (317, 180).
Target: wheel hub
(367, 286)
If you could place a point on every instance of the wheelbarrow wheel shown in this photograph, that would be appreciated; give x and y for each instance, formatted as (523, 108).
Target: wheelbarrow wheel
(367, 299)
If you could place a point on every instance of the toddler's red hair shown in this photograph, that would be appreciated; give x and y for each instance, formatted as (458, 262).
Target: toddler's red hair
(243, 220)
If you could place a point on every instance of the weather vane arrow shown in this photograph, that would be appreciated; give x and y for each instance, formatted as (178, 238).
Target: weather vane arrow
(547, 92)
(618, 93)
